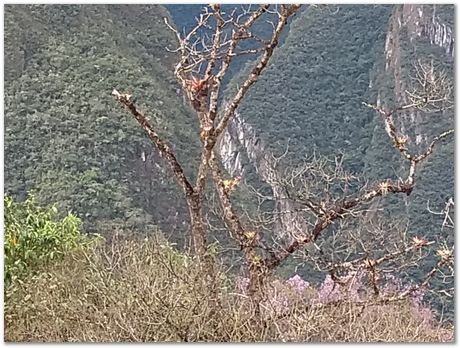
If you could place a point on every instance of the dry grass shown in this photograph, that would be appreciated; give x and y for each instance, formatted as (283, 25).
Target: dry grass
(146, 291)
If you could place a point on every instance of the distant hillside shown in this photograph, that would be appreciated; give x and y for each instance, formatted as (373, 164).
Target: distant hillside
(66, 137)
(310, 98)
(312, 91)
(69, 141)
(335, 58)
(413, 37)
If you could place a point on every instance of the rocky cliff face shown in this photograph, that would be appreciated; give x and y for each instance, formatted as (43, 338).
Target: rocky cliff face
(239, 143)
(419, 60)
(412, 27)
(425, 21)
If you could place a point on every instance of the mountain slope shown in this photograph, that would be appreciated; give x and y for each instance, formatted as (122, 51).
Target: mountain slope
(335, 58)
(313, 90)
(310, 98)
(410, 42)
(66, 137)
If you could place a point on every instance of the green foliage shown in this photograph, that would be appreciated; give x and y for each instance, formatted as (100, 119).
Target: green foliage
(434, 179)
(66, 137)
(311, 95)
(34, 237)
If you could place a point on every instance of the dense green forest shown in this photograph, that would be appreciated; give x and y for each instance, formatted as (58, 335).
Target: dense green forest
(65, 137)
(69, 143)
(58, 79)
(313, 93)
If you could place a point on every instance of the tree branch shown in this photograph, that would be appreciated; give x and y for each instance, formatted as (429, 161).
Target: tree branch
(162, 146)
(286, 12)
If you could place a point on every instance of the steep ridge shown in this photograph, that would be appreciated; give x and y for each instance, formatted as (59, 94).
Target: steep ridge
(241, 140)
(68, 140)
(335, 58)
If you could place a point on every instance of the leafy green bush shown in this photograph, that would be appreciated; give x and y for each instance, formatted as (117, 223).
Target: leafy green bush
(34, 236)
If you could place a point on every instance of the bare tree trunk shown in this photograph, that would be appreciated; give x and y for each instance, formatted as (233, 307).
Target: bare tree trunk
(193, 198)
(195, 206)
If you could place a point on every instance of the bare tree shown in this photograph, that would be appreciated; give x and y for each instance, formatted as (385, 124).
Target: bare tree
(206, 53)
(215, 52)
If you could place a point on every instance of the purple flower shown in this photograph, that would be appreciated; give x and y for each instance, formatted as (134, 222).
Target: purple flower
(242, 284)
(349, 287)
(446, 336)
(329, 291)
(298, 283)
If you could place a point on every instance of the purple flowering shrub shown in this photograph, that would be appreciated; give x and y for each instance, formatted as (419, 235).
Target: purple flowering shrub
(284, 297)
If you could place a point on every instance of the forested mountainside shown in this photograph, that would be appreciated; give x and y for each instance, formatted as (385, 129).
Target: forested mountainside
(310, 99)
(70, 143)
(66, 138)
(416, 36)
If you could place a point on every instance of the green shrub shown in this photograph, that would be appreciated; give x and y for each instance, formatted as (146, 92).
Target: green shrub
(34, 237)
